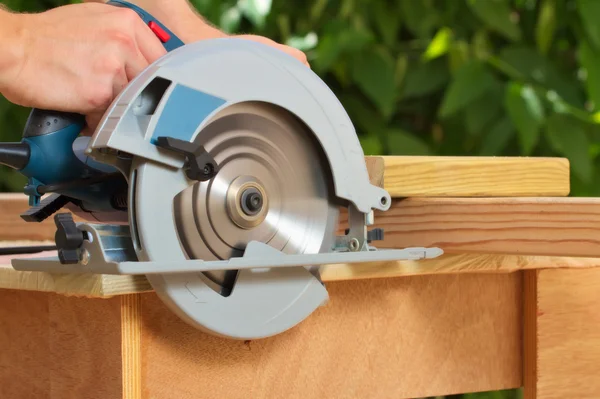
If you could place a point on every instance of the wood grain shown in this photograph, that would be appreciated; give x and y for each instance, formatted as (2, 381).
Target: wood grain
(25, 362)
(391, 338)
(566, 353)
(85, 348)
(85, 285)
(131, 346)
(54, 347)
(376, 169)
(452, 264)
(520, 226)
(445, 176)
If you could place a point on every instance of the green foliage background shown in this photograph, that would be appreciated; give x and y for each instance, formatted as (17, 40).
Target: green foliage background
(438, 77)
(447, 77)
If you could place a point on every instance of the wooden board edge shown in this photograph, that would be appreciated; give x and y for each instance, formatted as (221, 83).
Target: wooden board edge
(479, 176)
(106, 286)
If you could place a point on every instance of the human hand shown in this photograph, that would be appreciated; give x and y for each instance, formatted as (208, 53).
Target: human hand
(294, 52)
(77, 58)
(184, 20)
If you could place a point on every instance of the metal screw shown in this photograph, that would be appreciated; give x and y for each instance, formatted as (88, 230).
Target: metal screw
(354, 244)
(85, 257)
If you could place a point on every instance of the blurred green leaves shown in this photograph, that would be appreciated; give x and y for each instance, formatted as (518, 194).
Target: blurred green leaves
(568, 138)
(374, 74)
(546, 26)
(498, 16)
(589, 10)
(527, 114)
(470, 81)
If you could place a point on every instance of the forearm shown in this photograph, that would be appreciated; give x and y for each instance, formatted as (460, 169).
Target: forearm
(180, 17)
(11, 46)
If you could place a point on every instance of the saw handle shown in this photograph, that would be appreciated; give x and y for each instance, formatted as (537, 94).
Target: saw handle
(51, 151)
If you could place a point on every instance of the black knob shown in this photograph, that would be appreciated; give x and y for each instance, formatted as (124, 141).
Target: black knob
(375, 235)
(199, 164)
(68, 238)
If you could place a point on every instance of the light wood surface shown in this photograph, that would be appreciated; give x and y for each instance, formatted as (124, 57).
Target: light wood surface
(443, 176)
(131, 346)
(86, 285)
(521, 226)
(385, 338)
(563, 354)
(391, 338)
(55, 347)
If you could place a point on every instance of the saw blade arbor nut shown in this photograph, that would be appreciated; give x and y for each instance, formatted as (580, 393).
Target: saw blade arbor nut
(247, 202)
(251, 201)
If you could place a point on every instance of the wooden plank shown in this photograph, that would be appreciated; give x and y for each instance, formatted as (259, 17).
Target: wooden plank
(475, 233)
(85, 285)
(522, 226)
(519, 226)
(444, 176)
(389, 334)
(563, 354)
(105, 286)
(401, 176)
(391, 338)
(453, 264)
(54, 347)
(25, 362)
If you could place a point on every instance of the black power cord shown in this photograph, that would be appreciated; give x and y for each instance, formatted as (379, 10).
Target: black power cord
(26, 249)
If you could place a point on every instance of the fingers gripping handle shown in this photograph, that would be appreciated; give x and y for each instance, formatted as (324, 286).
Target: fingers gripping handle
(49, 135)
(43, 122)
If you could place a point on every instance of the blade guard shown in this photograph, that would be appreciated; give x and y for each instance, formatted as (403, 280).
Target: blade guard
(176, 95)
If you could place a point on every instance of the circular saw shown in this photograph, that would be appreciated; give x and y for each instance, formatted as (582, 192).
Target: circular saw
(218, 173)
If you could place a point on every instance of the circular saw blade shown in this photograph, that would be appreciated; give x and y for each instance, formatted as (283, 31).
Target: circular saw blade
(273, 186)
(264, 150)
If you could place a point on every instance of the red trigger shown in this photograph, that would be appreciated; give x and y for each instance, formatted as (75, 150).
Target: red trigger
(159, 32)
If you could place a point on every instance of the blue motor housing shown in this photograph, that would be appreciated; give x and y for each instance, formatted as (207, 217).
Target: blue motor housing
(51, 155)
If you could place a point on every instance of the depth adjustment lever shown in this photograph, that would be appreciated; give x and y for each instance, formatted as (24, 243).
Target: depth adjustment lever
(199, 164)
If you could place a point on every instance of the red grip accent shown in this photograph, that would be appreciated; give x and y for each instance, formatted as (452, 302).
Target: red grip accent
(159, 32)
